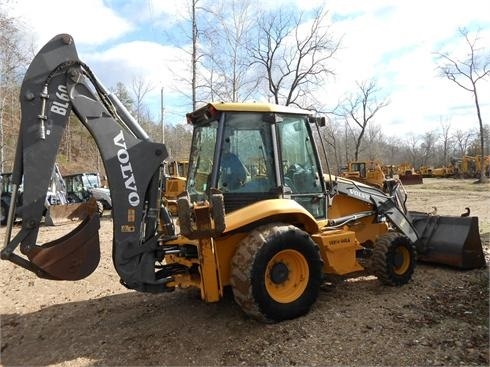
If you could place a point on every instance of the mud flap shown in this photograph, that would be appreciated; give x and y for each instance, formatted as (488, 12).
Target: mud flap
(452, 241)
(73, 256)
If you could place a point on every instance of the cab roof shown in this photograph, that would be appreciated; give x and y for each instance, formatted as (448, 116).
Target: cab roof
(210, 110)
(257, 107)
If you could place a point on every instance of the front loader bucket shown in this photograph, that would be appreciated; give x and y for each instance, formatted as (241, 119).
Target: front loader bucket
(447, 240)
(64, 213)
(73, 256)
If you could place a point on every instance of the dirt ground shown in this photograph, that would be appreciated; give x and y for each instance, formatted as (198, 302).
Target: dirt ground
(440, 318)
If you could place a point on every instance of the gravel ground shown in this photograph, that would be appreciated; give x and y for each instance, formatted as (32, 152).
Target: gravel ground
(440, 318)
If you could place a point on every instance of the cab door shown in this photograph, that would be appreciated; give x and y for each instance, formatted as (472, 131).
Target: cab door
(299, 164)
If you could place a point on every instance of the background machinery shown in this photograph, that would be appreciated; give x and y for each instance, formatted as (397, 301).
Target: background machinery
(408, 176)
(81, 187)
(58, 207)
(7, 196)
(270, 233)
(174, 182)
(368, 172)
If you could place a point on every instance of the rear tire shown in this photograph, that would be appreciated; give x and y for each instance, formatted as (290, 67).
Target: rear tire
(100, 208)
(4, 214)
(393, 260)
(276, 273)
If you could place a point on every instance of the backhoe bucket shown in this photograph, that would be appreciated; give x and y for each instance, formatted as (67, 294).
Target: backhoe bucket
(73, 256)
(452, 241)
(64, 213)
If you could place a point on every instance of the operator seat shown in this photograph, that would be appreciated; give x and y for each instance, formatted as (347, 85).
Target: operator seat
(233, 172)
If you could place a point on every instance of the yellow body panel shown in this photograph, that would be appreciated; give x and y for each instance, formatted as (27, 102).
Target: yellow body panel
(225, 249)
(215, 256)
(211, 289)
(338, 249)
(279, 209)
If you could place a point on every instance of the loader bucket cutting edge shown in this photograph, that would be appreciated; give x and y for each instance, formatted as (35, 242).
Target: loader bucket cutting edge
(411, 179)
(73, 256)
(447, 240)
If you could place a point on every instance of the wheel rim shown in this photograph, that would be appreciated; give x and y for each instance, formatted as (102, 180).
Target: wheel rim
(286, 276)
(401, 261)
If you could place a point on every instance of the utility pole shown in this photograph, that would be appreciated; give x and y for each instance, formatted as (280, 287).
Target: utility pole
(162, 115)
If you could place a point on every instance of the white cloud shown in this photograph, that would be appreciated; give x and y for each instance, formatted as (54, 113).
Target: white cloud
(160, 66)
(394, 43)
(391, 42)
(90, 22)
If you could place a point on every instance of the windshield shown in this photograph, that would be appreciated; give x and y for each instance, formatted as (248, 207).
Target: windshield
(91, 180)
(246, 163)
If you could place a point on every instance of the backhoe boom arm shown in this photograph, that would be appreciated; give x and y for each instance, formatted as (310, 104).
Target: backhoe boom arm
(56, 83)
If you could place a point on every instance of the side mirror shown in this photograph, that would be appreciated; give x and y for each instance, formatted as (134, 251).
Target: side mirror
(320, 121)
(271, 118)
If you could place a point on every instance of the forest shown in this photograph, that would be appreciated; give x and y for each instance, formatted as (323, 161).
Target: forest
(286, 75)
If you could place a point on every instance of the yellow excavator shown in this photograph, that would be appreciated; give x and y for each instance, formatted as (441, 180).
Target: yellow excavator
(270, 233)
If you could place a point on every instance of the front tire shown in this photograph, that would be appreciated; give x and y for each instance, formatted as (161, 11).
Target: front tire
(394, 258)
(276, 273)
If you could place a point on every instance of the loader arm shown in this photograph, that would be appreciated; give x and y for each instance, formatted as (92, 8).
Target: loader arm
(448, 240)
(393, 207)
(56, 83)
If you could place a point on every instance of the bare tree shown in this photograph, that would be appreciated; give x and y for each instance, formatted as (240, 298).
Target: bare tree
(361, 109)
(391, 150)
(333, 137)
(194, 55)
(374, 137)
(294, 54)
(190, 33)
(226, 65)
(466, 73)
(463, 139)
(122, 93)
(446, 139)
(413, 150)
(428, 146)
(140, 88)
(13, 59)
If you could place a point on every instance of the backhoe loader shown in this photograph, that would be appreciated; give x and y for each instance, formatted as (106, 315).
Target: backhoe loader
(270, 233)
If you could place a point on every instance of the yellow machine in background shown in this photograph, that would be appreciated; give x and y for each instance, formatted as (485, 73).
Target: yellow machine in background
(425, 171)
(175, 173)
(408, 175)
(368, 172)
(464, 167)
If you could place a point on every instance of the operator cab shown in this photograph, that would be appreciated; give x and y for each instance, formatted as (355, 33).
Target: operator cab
(252, 152)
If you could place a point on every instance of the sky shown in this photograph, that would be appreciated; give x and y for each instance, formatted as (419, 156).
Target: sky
(391, 42)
